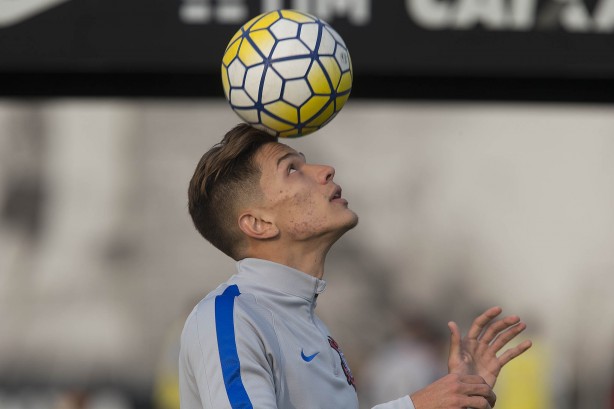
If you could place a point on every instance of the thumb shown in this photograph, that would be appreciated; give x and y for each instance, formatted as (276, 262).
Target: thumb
(455, 346)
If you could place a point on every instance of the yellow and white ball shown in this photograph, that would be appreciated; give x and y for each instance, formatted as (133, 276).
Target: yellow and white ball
(287, 72)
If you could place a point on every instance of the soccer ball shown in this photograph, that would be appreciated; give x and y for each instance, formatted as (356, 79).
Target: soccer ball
(287, 72)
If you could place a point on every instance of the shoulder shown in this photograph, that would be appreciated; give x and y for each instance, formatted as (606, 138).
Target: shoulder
(227, 304)
(228, 317)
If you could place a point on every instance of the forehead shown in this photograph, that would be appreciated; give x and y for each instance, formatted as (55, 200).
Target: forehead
(269, 154)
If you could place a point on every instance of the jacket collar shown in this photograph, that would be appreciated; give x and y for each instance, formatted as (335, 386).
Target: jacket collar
(281, 278)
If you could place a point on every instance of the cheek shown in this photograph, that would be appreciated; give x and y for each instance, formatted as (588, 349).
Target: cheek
(303, 217)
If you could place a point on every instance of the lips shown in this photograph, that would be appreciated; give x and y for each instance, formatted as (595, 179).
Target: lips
(336, 193)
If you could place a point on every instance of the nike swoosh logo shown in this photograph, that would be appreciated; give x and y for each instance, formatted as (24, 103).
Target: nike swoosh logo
(308, 358)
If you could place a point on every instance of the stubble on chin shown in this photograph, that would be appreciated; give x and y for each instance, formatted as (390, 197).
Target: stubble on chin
(354, 221)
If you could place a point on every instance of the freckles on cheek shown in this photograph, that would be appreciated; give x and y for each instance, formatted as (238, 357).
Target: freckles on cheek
(300, 229)
(302, 203)
(303, 218)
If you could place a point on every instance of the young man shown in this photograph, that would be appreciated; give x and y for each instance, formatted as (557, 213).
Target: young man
(255, 341)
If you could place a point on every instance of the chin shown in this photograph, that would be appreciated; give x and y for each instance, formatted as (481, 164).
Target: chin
(349, 224)
(354, 221)
(351, 221)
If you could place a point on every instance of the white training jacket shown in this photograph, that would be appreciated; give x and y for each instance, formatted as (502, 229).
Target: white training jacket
(255, 342)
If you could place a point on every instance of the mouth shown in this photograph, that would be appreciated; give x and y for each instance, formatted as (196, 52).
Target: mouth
(336, 196)
(336, 193)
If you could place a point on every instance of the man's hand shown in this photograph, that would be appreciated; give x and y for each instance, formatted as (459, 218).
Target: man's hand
(476, 353)
(455, 391)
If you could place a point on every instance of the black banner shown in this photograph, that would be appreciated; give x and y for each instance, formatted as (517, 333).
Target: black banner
(178, 41)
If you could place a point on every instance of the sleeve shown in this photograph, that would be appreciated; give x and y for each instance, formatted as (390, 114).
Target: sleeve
(223, 362)
(189, 396)
(401, 403)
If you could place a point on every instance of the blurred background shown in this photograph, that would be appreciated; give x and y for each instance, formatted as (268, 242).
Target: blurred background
(477, 148)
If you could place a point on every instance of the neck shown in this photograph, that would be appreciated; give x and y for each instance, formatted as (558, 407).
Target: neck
(301, 256)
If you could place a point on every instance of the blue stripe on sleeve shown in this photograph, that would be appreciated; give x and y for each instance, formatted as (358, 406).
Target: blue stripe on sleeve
(227, 346)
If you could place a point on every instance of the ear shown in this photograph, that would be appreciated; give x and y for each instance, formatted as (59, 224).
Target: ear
(257, 227)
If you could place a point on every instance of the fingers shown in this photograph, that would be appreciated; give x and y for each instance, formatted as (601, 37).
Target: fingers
(505, 337)
(501, 331)
(455, 391)
(477, 388)
(498, 326)
(455, 341)
(476, 402)
(481, 321)
(514, 352)
(491, 398)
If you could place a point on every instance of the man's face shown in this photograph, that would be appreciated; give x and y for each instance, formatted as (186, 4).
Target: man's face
(303, 198)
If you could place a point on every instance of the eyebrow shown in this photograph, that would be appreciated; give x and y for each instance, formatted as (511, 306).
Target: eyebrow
(289, 155)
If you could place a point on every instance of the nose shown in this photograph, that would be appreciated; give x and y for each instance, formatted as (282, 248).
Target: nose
(325, 173)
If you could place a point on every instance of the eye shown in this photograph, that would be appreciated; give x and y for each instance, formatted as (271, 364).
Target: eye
(291, 169)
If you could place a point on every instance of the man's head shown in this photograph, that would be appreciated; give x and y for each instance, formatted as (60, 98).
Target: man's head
(226, 178)
(249, 191)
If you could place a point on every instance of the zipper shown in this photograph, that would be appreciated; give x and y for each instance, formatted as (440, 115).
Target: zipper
(331, 352)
